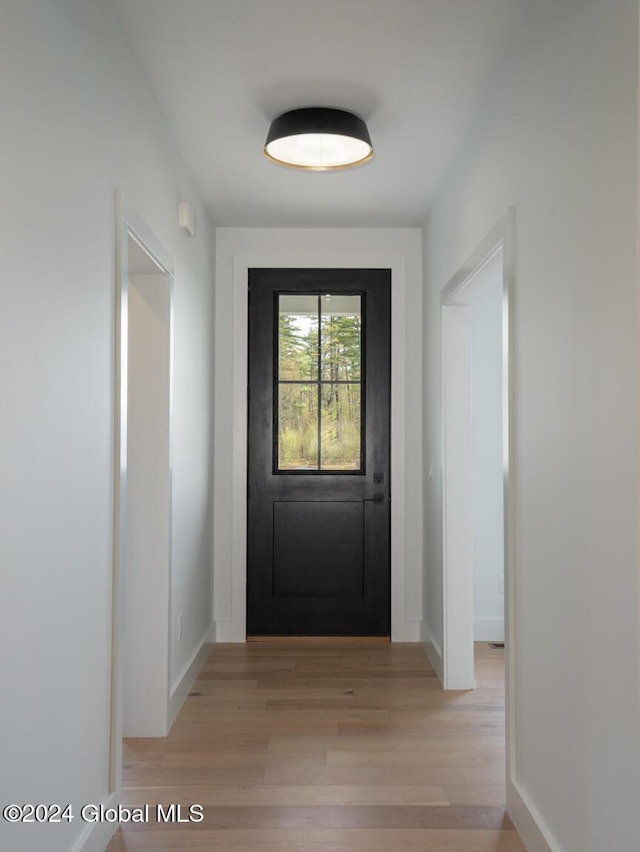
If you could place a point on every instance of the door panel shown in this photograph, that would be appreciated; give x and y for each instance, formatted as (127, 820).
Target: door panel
(328, 539)
(318, 452)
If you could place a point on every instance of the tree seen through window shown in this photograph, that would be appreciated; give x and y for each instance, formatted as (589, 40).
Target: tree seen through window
(319, 382)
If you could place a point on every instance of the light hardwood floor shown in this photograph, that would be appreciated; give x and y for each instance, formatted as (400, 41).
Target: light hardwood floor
(294, 747)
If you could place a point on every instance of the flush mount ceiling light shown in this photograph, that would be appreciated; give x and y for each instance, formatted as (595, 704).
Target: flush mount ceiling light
(318, 139)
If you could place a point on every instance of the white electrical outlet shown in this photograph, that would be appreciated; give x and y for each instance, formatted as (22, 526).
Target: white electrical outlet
(501, 584)
(180, 625)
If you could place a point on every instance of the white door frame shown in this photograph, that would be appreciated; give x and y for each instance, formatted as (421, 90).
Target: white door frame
(457, 650)
(401, 629)
(129, 223)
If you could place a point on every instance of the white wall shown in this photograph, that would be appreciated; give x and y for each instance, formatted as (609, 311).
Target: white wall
(79, 123)
(484, 296)
(398, 249)
(556, 139)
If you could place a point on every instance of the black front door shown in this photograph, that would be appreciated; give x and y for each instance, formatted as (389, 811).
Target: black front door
(318, 452)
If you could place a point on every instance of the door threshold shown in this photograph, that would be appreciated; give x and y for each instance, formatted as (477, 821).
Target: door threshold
(327, 639)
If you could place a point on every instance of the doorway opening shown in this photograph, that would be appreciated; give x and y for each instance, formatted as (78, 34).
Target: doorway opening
(230, 499)
(478, 482)
(142, 487)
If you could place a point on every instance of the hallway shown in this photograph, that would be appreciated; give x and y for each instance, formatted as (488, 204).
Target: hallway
(335, 745)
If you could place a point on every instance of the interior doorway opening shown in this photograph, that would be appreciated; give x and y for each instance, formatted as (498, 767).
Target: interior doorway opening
(142, 487)
(472, 327)
(148, 540)
(478, 482)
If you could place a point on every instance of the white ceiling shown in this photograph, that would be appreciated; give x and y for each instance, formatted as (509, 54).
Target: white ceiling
(415, 70)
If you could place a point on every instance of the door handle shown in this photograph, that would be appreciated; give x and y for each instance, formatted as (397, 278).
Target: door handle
(377, 498)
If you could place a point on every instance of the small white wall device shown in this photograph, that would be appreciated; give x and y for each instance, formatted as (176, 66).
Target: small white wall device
(186, 219)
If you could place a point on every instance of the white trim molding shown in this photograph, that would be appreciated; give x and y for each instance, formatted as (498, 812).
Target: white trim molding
(230, 565)
(412, 628)
(183, 684)
(242, 264)
(96, 836)
(531, 828)
(433, 650)
(128, 223)
(501, 239)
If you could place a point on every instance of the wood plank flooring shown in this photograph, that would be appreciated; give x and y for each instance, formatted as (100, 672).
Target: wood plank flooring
(305, 747)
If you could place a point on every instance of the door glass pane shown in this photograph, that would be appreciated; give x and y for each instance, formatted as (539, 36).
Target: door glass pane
(341, 335)
(298, 338)
(298, 427)
(340, 427)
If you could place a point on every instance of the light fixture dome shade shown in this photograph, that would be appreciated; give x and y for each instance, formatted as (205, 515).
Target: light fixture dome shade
(318, 139)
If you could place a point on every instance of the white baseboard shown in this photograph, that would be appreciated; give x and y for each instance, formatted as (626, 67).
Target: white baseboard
(488, 630)
(530, 825)
(432, 650)
(97, 835)
(184, 682)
